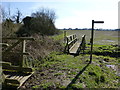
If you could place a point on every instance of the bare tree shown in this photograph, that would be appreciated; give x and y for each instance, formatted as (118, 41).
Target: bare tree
(9, 11)
(46, 14)
(17, 16)
(43, 21)
(3, 14)
(8, 27)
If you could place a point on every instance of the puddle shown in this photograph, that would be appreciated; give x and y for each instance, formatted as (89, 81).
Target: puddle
(116, 36)
(118, 74)
(112, 66)
(108, 40)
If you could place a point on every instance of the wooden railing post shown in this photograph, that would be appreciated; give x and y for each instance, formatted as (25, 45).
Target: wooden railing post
(67, 45)
(11, 47)
(22, 51)
(84, 43)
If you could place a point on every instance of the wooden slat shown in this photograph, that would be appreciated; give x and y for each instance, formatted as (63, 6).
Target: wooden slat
(7, 80)
(6, 76)
(15, 68)
(70, 35)
(17, 77)
(5, 64)
(74, 45)
(74, 49)
(4, 44)
(22, 81)
(72, 41)
(10, 48)
(20, 78)
(13, 76)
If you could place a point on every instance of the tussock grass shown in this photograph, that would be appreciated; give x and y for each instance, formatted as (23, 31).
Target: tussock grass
(62, 69)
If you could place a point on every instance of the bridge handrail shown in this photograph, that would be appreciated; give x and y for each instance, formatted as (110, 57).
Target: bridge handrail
(71, 40)
(19, 40)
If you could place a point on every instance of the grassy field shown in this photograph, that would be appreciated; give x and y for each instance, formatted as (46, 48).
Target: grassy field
(64, 71)
(60, 71)
(100, 37)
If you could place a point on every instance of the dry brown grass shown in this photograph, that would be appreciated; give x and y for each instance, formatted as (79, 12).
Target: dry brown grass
(42, 46)
(38, 49)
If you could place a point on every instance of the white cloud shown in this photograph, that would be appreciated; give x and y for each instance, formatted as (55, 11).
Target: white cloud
(79, 17)
(84, 19)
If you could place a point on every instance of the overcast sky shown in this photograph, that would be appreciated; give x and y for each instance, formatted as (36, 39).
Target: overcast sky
(72, 13)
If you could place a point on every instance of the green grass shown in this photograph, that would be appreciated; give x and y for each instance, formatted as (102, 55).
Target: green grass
(58, 70)
(96, 75)
(105, 50)
(58, 37)
(57, 74)
(44, 85)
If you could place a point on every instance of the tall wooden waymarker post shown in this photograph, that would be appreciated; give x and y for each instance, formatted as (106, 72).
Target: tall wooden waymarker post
(64, 36)
(92, 34)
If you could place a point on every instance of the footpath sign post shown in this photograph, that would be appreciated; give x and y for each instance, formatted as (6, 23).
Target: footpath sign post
(92, 34)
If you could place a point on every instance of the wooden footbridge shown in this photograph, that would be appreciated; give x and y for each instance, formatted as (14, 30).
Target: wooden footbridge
(73, 45)
(15, 76)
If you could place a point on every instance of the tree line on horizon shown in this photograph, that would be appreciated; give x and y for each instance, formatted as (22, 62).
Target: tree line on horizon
(90, 29)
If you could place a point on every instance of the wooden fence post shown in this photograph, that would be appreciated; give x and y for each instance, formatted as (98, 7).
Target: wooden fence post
(22, 51)
(64, 36)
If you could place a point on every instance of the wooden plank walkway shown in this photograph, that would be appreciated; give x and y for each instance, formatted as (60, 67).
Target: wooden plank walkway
(73, 45)
(74, 49)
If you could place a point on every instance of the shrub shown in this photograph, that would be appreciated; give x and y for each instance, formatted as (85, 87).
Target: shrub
(9, 28)
(40, 22)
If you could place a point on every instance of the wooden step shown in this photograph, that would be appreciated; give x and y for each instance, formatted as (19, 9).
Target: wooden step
(15, 75)
(17, 79)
